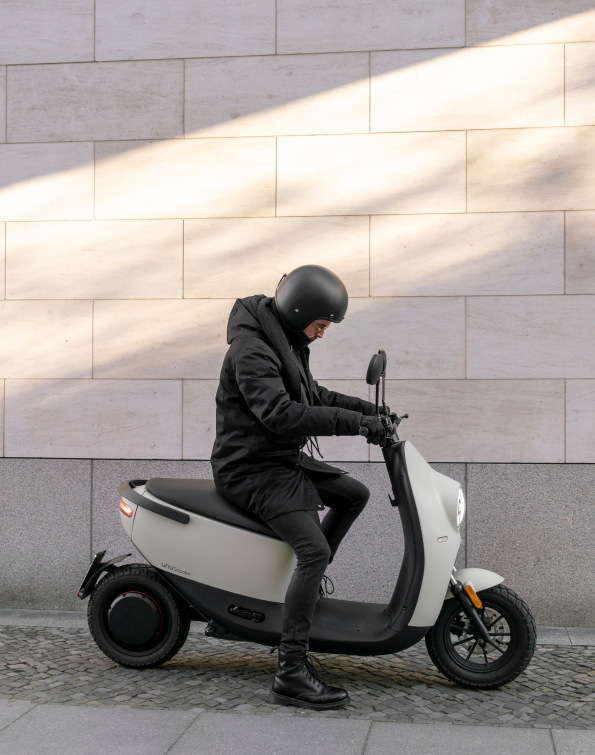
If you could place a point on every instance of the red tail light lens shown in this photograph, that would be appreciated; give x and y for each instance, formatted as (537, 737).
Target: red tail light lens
(125, 508)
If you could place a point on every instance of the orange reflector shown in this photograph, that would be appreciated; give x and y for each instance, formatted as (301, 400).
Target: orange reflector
(128, 510)
(473, 595)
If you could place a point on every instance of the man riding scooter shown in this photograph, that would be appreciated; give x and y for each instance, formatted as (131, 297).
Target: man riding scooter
(268, 409)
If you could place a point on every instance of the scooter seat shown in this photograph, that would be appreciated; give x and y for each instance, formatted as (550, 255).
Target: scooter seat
(201, 497)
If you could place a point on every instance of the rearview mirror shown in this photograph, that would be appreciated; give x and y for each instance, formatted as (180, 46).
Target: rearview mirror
(375, 369)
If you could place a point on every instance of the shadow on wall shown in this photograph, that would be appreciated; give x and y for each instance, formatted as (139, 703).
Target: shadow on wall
(325, 199)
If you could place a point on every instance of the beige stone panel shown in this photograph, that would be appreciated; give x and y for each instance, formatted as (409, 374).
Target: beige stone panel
(2, 109)
(433, 90)
(580, 421)
(346, 447)
(509, 421)
(45, 339)
(580, 84)
(343, 25)
(101, 419)
(580, 252)
(237, 257)
(141, 29)
(506, 22)
(531, 337)
(95, 259)
(199, 425)
(371, 174)
(86, 101)
(278, 95)
(424, 338)
(178, 338)
(38, 31)
(188, 178)
(2, 260)
(467, 254)
(46, 181)
(531, 169)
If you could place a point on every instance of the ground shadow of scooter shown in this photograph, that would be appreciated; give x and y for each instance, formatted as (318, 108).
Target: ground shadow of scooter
(212, 561)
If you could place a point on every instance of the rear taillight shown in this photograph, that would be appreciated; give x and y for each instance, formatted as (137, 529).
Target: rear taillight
(125, 508)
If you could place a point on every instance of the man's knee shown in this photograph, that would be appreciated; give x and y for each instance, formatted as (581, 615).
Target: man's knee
(360, 497)
(316, 553)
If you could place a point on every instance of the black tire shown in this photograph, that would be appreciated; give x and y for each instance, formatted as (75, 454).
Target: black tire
(143, 582)
(459, 653)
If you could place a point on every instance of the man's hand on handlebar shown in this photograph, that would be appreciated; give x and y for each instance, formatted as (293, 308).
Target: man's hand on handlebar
(374, 430)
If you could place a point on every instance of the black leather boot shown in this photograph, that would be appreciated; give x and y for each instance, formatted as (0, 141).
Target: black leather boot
(298, 683)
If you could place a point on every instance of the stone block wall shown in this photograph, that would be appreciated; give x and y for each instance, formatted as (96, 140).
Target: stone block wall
(159, 160)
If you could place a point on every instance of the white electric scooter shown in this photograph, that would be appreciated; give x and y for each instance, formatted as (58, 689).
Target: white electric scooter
(211, 561)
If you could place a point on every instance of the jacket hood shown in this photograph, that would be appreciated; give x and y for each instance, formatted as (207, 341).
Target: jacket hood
(244, 320)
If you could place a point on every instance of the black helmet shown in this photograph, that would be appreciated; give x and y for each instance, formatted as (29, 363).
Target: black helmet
(309, 293)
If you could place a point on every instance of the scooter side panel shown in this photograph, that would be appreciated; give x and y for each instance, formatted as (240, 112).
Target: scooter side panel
(215, 554)
(436, 500)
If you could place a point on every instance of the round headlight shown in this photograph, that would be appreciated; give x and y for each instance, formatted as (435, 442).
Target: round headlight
(461, 507)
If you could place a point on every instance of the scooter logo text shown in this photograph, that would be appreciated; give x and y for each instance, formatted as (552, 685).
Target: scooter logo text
(173, 568)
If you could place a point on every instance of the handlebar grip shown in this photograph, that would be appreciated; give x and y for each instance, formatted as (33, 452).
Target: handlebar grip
(363, 431)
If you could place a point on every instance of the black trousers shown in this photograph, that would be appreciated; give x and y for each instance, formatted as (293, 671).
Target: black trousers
(315, 545)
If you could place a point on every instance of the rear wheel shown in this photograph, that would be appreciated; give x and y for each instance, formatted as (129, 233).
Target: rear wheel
(462, 656)
(136, 619)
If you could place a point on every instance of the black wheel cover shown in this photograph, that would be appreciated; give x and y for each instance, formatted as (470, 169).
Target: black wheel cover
(135, 620)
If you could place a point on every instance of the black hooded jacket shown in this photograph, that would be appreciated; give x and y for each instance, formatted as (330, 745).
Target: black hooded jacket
(268, 405)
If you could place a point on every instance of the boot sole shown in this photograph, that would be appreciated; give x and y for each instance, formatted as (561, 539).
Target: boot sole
(283, 700)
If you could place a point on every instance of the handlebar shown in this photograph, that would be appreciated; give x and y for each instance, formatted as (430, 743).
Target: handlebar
(363, 431)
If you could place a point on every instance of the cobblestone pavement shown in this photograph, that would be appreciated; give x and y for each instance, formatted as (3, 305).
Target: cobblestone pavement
(65, 666)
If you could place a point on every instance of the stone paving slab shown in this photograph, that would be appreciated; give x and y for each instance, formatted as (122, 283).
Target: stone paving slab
(24, 617)
(414, 739)
(63, 665)
(569, 742)
(581, 635)
(122, 730)
(69, 730)
(553, 636)
(215, 734)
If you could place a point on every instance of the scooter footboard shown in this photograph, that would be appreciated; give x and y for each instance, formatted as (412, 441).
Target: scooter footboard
(479, 579)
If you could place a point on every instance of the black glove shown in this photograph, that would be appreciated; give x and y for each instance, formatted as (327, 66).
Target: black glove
(375, 429)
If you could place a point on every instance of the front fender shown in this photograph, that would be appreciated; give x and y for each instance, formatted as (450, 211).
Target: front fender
(479, 579)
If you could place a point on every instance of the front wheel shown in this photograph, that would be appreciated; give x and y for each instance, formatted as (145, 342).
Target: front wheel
(136, 619)
(463, 657)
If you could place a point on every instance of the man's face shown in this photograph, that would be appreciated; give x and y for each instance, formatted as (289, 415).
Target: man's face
(316, 329)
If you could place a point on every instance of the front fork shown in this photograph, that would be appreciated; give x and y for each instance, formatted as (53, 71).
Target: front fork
(467, 600)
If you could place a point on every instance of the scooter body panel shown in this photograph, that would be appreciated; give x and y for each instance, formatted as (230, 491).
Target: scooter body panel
(478, 579)
(436, 499)
(214, 553)
(338, 626)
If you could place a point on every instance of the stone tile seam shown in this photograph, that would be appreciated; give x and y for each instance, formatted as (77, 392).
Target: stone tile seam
(337, 135)
(306, 217)
(35, 705)
(568, 297)
(194, 720)
(335, 461)
(553, 742)
(295, 54)
(365, 745)
(319, 377)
